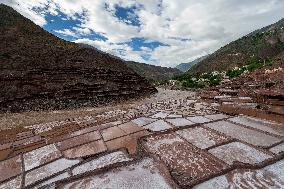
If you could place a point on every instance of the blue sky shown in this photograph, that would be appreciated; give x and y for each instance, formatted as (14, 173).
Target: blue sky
(61, 22)
(159, 32)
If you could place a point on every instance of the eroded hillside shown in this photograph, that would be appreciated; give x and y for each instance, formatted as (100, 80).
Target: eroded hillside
(40, 71)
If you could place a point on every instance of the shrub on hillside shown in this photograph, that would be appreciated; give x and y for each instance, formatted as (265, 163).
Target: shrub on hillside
(253, 64)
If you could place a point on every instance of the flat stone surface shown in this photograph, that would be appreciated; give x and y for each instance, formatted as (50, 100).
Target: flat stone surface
(112, 132)
(140, 134)
(245, 98)
(199, 119)
(50, 186)
(184, 152)
(276, 110)
(100, 162)
(159, 125)
(143, 121)
(123, 142)
(186, 162)
(79, 140)
(142, 175)
(277, 149)
(12, 184)
(85, 150)
(271, 176)
(228, 91)
(40, 156)
(109, 124)
(52, 180)
(27, 141)
(129, 142)
(250, 136)
(89, 128)
(130, 127)
(5, 153)
(202, 138)
(48, 170)
(216, 116)
(247, 105)
(239, 152)
(222, 97)
(10, 167)
(263, 125)
(62, 128)
(180, 122)
(95, 128)
(174, 116)
(161, 115)
(83, 131)
(25, 149)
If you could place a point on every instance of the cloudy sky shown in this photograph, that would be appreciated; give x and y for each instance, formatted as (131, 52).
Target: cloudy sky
(159, 32)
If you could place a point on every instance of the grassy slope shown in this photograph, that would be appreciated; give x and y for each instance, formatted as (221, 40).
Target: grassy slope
(264, 43)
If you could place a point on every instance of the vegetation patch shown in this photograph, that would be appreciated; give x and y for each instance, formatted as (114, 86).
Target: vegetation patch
(213, 79)
(200, 80)
(253, 64)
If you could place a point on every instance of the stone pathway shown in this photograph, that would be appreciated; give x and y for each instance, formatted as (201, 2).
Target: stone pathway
(168, 144)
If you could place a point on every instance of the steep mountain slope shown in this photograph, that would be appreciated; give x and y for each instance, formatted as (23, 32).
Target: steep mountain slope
(259, 93)
(41, 71)
(153, 73)
(150, 72)
(184, 67)
(265, 43)
(267, 81)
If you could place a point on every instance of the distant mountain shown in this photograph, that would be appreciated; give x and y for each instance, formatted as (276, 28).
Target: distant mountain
(153, 73)
(184, 67)
(264, 43)
(150, 72)
(39, 71)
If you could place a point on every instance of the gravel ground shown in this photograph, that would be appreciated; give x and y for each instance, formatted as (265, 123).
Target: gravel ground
(12, 120)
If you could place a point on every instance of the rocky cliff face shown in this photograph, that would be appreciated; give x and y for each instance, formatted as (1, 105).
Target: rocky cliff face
(40, 71)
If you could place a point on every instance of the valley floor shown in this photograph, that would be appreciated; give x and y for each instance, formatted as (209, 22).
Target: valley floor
(174, 139)
(12, 120)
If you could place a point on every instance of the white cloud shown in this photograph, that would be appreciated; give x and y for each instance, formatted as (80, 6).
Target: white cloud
(120, 50)
(208, 24)
(66, 32)
(82, 31)
(25, 8)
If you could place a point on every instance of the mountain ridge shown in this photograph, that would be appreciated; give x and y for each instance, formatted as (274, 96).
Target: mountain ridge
(151, 72)
(40, 71)
(184, 67)
(264, 43)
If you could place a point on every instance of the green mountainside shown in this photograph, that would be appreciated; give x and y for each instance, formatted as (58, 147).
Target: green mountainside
(265, 43)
